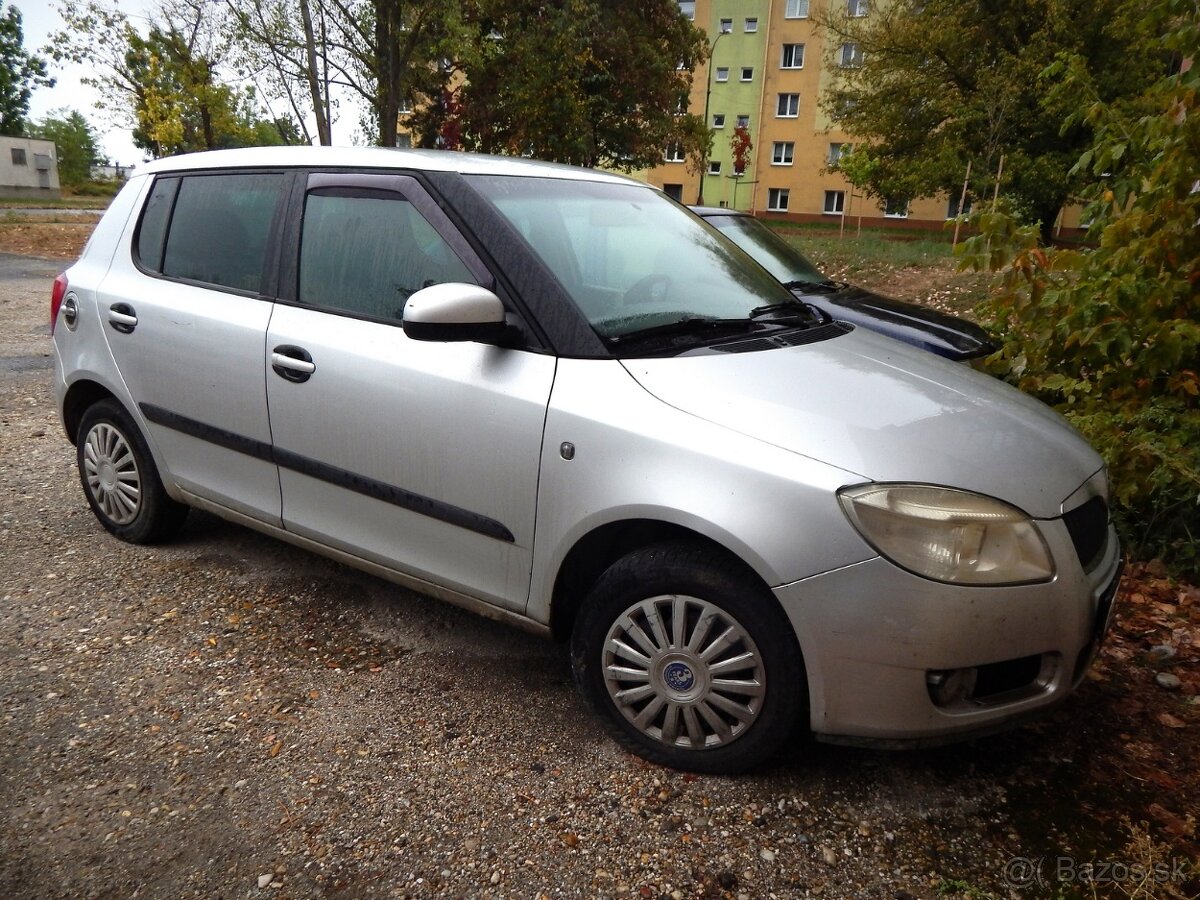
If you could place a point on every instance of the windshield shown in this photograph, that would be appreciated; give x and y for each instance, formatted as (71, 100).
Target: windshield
(629, 257)
(774, 253)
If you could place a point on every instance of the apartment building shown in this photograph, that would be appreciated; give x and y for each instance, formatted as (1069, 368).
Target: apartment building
(767, 71)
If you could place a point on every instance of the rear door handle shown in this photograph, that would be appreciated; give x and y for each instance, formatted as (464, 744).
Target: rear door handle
(292, 363)
(122, 317)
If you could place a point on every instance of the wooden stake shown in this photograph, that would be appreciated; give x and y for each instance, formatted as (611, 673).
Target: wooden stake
(962, 200)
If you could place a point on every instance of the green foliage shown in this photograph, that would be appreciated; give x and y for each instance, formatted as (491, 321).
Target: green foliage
(1110, 333)
(944, 83)
(76, 143)
(20, 72)
(106, 189)
(576, 81)
(167, 84)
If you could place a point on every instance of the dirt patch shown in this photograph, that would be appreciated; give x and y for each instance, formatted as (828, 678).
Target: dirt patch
(49, 240)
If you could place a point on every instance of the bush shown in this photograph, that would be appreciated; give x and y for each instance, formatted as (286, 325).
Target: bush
(94, 189)
(1110, 334)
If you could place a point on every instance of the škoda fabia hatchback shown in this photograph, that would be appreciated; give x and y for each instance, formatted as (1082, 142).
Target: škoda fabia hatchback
(558, 398)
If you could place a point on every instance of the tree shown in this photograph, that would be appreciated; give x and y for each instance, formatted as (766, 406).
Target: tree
(1111, 333)
(76, 143)
(574, 81)
(168, 84)
(285, 43)
(20, 73)
(740, 146)
(930, 85)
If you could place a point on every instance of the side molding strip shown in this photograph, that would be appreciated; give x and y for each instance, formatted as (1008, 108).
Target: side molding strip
(360, 484)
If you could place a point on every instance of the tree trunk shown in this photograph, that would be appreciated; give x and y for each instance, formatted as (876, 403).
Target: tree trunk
(387, 52)
(324, 135)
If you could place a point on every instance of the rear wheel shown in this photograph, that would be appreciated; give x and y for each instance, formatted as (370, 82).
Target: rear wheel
(119, 477)
(689, 660)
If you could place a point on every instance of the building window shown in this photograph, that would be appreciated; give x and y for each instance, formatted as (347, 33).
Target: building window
(747, 73)
(857, 8)
(952, 208)
(793, 56)
(896, 208)
(722, 73)
(673, 153)
(782, 153)
(18, 156)
(844, 106)
(718, 120)
(674, 191)
(714, 167)
(788, 106)
(835, 202)
(751, 25)
(796, 9)
(726, 26)
(687, 8)
(836, 152)
(743, 121)
(851, 56)
(777, 199)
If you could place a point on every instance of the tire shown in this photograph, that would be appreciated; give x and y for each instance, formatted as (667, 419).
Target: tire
(120, 479)
(664, 688)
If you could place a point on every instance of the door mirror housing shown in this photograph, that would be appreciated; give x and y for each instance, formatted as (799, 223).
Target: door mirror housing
(455, 312)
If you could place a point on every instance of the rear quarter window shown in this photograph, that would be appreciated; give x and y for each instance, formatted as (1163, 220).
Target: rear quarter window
(152, 231)
(216, 230)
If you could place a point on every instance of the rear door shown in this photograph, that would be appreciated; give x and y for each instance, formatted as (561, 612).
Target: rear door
(416, 455)
(185, 318)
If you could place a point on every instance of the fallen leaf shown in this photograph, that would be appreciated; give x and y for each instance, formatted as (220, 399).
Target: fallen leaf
(1170, 721)
(275, 748)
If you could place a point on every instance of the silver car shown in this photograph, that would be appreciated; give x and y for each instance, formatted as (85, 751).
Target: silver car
(557, 398)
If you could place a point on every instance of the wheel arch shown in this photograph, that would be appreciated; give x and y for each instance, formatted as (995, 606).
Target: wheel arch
(79, 397)
(599, 548)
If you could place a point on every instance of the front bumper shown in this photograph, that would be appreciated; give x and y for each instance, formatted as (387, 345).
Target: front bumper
(877, 642)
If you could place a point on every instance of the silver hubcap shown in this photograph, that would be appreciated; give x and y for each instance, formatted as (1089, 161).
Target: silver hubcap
(684, 672)
(112, 473)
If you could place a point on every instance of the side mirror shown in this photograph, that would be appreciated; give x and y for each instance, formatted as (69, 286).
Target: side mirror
(454, 312)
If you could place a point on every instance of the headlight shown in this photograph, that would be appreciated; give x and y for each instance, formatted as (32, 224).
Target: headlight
(949, 535)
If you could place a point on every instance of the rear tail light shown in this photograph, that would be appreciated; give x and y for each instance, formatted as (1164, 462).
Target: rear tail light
(56, 298)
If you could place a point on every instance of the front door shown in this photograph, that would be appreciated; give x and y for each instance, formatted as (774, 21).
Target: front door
(416, 455)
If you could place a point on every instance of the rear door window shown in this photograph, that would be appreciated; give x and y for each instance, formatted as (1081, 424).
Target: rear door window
(219, 229)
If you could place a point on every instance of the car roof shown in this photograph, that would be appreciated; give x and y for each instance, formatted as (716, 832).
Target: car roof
(378, 158)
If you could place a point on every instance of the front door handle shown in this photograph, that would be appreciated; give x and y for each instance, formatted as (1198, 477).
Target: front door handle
(292, 363)
(122, 317)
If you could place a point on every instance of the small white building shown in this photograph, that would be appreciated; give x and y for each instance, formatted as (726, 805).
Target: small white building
(28, 168)
(111, 172)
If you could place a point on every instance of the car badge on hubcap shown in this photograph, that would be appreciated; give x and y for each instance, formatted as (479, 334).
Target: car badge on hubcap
(679, 677)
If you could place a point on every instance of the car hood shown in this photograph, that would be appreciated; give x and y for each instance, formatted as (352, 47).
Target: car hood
(885, 412)
(929, 329)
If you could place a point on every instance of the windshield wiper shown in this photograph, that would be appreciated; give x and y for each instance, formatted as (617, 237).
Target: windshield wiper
(792, 312)
(686, 325)
(815, 286)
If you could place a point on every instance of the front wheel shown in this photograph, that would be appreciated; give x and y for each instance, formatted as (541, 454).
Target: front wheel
(119, 478)
(689, 660)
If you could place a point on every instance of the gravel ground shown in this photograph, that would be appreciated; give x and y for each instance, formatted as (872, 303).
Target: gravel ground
(228, 716)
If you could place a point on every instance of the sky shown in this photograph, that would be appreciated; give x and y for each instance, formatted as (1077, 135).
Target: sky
(38, 19)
